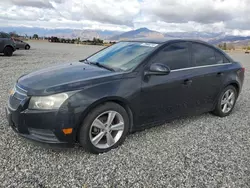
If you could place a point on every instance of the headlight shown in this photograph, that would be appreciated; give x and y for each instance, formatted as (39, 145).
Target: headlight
(48, 102)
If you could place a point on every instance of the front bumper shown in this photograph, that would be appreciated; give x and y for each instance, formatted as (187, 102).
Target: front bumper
(44, 127)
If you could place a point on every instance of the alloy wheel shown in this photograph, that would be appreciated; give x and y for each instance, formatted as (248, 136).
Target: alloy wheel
(227, 101)
(106, 129)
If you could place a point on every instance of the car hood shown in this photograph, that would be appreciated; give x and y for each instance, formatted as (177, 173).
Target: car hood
(65, 77)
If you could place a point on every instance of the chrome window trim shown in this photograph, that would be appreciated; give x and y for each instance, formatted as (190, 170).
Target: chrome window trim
(198, 67)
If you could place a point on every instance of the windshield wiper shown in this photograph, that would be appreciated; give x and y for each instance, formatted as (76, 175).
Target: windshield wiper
(99, 65)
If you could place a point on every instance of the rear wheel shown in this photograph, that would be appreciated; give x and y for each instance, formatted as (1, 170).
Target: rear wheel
(226, 101)
(104, 128)
(27, 47)
(8, 51)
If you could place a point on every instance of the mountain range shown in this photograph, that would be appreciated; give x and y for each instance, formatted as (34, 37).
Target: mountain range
(84, 34)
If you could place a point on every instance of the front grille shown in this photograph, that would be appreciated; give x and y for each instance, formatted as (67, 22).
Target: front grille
(18, 96)
(20, 92)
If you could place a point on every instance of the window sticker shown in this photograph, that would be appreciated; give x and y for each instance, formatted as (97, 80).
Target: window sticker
(152, 45)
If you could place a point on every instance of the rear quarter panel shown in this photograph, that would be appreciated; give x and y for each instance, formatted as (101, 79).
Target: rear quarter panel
(233, 75)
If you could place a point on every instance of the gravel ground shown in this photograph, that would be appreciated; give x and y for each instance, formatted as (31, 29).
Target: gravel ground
(201, 151)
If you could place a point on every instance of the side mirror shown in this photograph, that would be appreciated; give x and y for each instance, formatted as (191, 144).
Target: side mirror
(158, 69)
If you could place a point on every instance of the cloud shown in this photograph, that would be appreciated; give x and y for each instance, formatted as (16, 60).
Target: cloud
(33, 3)
(120, 12)
(180, 11)
(161, 15)
(199, 15)
(106, 11)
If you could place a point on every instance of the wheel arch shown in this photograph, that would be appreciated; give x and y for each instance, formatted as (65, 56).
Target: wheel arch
(235, 84)
(119, 100)
(10, 47)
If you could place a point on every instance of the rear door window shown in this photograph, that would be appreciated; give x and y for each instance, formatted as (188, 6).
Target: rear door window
(203, 55)
(220, 58)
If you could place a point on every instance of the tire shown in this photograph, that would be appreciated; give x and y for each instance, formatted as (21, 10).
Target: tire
(88, 132)
(229, 108)
(27, 47)
(8, 51)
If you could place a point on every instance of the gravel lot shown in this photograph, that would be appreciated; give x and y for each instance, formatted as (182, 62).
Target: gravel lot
(202, 151)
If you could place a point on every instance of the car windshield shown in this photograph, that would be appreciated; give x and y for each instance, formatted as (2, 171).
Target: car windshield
(123, 55)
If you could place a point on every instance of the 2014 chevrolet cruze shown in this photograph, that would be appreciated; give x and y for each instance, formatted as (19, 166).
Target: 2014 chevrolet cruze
(128, 86)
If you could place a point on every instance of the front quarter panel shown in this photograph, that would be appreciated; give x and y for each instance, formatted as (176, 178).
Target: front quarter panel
(125, 90)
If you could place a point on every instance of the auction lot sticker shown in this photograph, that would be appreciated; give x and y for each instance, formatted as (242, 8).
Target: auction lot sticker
(152, 45)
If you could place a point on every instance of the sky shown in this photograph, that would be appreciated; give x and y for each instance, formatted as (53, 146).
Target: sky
(230, 16)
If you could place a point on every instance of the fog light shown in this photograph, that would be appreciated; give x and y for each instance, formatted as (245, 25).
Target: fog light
(67, 131)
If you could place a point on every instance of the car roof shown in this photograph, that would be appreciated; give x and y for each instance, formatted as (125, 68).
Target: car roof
(163, 40)
(173, 40)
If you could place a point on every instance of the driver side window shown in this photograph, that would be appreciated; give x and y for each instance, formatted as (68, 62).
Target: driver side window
(175, 56)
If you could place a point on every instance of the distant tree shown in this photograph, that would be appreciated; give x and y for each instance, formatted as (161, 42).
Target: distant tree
(248, 48)
(225, 46)
(100, 41)
(97, 41)
(35, 36)
(78, 40)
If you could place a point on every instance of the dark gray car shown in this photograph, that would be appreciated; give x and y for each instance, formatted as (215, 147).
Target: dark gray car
(7, 44)
(21, 44)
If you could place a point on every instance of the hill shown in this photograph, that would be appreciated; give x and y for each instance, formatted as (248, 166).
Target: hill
(85, 34)
(138, 33)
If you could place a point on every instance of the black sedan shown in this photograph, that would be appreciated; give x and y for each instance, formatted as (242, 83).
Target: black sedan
(123, 88)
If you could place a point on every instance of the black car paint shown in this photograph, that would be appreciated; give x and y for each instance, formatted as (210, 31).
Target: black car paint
(6, 42)
(66, 77)
(147, 99)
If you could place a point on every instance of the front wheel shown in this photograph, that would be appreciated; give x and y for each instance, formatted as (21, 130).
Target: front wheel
(104, 128)
(226, 101)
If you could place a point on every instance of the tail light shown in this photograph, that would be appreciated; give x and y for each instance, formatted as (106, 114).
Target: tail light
(241, 71)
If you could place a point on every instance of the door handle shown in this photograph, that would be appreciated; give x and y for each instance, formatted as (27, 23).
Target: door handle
(220, 74)
(187, 82)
